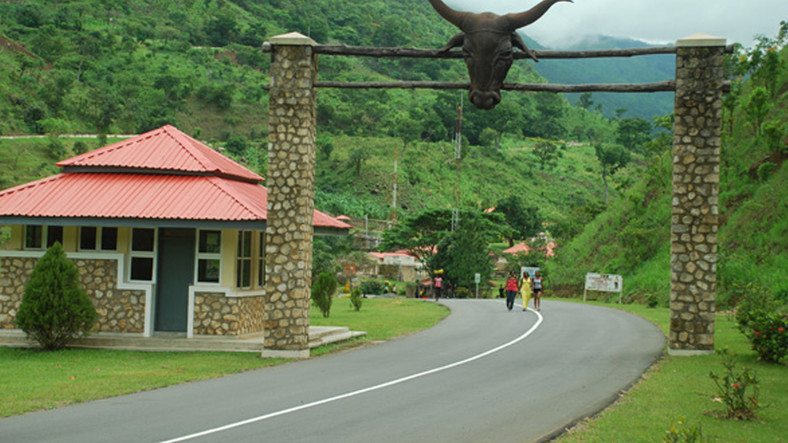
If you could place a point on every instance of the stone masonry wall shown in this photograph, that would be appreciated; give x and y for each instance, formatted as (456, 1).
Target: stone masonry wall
(217, 314)
(696, 176)
(119, 310)
(291, 179)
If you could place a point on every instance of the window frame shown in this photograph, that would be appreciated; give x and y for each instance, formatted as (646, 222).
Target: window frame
(143, 254)
(261, 260)
(243, 263)
(207, 256)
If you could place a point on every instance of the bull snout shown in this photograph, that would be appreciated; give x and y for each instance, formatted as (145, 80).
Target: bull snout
(484, 99)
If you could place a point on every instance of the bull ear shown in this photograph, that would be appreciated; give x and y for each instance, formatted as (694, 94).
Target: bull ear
(517, 21)
(518, 42)
(457, 40)
(456, 18)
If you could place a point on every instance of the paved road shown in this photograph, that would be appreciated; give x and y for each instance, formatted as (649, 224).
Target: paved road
(483, 374)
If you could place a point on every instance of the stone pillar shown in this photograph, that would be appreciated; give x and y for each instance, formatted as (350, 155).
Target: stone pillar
(696, 177)
(291, 183)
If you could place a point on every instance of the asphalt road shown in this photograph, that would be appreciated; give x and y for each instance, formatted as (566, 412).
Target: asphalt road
(482, 374)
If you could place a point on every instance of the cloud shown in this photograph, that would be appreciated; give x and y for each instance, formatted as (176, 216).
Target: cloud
(655, 21)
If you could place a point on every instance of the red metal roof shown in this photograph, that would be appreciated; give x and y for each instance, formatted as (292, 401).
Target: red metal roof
(182, 180)
(164, 149)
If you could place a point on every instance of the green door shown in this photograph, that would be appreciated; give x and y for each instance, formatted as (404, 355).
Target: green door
(175, 274)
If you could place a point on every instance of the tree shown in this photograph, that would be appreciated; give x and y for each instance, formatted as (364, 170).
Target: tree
(547, 153)
(524, 221)
(758, 108)
(323, 292)
(55, 309)
(612, 158)
(585, 101)
(357, 158)
(421, 233)
(463, 253)
(550, 109)
(633, 133)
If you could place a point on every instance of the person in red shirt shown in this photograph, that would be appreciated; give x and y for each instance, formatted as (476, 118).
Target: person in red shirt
(512, 286)
(438, 285)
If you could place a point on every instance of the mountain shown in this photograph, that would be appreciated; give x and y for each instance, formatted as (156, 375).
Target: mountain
(644, 69)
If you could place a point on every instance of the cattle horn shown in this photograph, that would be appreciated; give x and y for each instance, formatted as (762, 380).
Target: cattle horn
(525, 18)
(456, 18)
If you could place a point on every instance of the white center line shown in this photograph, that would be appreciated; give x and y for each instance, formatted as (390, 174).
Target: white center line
(360, 391)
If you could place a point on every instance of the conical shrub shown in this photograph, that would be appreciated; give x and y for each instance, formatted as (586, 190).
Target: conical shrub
(55, 309)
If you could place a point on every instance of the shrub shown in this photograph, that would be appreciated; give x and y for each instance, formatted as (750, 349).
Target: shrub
(55, 309)
(371, 287)
(680, 432)
(356, 299)
(462, 292)
(322, 292)
(732, 389)
(765, 324)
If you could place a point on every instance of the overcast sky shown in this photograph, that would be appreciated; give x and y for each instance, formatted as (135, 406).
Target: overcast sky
(653, 21)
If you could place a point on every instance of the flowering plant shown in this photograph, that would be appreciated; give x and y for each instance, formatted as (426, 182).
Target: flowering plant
(733, 387)
(764, 322)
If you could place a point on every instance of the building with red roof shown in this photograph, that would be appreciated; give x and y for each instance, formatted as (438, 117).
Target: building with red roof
(168, 234)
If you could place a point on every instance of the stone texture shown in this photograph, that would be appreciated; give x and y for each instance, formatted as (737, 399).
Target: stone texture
(696, 171)
(119, 310)
(290, 182)
(217, 314)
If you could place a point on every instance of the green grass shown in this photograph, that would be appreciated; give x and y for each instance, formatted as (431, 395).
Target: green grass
(678, 387)
(32, 380)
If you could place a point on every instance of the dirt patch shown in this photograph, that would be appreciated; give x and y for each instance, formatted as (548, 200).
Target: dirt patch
(9, 45)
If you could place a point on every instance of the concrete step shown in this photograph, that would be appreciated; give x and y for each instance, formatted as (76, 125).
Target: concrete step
(318, 336)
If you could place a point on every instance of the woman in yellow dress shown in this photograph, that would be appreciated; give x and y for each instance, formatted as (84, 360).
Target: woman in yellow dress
(525, 289)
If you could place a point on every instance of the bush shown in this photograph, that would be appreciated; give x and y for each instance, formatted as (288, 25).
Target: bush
(732, 389)
(462, 292)
(356, 299)
(371, 287)
(55, 309)
(765, 324)
(323, 291)
(681, 432)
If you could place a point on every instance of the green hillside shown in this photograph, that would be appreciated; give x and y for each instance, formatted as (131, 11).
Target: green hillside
(632, 237)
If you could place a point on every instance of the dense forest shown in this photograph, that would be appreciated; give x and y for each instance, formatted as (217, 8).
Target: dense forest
(601, 181)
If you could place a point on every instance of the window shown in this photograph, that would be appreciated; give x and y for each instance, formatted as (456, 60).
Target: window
(261, 262)
(209, 258)
(244, 260)
(34, 236)
(54, 234)
(92, 238)
(38, 236)
(143, 241)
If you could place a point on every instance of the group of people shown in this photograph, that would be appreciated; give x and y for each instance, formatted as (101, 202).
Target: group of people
(526, 286)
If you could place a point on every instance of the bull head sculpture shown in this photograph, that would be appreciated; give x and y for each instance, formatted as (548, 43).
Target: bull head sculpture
(487, 42)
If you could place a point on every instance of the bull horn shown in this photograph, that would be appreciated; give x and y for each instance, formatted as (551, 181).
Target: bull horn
(526, 18)
(456, 18)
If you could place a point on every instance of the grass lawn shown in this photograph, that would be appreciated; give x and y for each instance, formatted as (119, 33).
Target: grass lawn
(679, 387)
(32, 380)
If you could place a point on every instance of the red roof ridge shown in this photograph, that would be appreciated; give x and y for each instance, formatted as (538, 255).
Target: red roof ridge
(29, 185)
(194, 151)
(221, 186)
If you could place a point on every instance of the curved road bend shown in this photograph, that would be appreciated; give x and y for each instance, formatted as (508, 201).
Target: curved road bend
(542, 377)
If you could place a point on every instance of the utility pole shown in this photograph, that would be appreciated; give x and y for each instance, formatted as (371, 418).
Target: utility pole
(455, 216)
(394, 194)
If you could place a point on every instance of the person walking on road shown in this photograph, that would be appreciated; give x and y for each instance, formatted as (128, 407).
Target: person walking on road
(511, 288)
(538, 287)
(525, 289)
(438, 287)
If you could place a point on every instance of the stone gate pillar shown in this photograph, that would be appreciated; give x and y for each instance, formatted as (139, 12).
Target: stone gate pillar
(696, 177)
(291, 188)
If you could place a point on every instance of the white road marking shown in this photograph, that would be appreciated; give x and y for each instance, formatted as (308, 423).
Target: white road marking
(360, 391)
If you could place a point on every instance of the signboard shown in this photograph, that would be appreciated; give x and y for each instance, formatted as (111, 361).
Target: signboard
(530, 270)
(477, 278)
(602, 282)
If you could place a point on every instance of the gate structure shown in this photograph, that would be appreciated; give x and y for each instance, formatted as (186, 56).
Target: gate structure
(698, 88)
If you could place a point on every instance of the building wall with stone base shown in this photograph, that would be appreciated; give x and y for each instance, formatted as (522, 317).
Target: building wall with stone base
(119, 310)
(217, 314)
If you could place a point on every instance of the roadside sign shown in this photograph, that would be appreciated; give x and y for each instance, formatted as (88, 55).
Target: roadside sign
(477, 278)
(603, 283)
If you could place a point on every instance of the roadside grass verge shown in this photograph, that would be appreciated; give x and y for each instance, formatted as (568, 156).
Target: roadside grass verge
(32, 380)
(677, 387)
